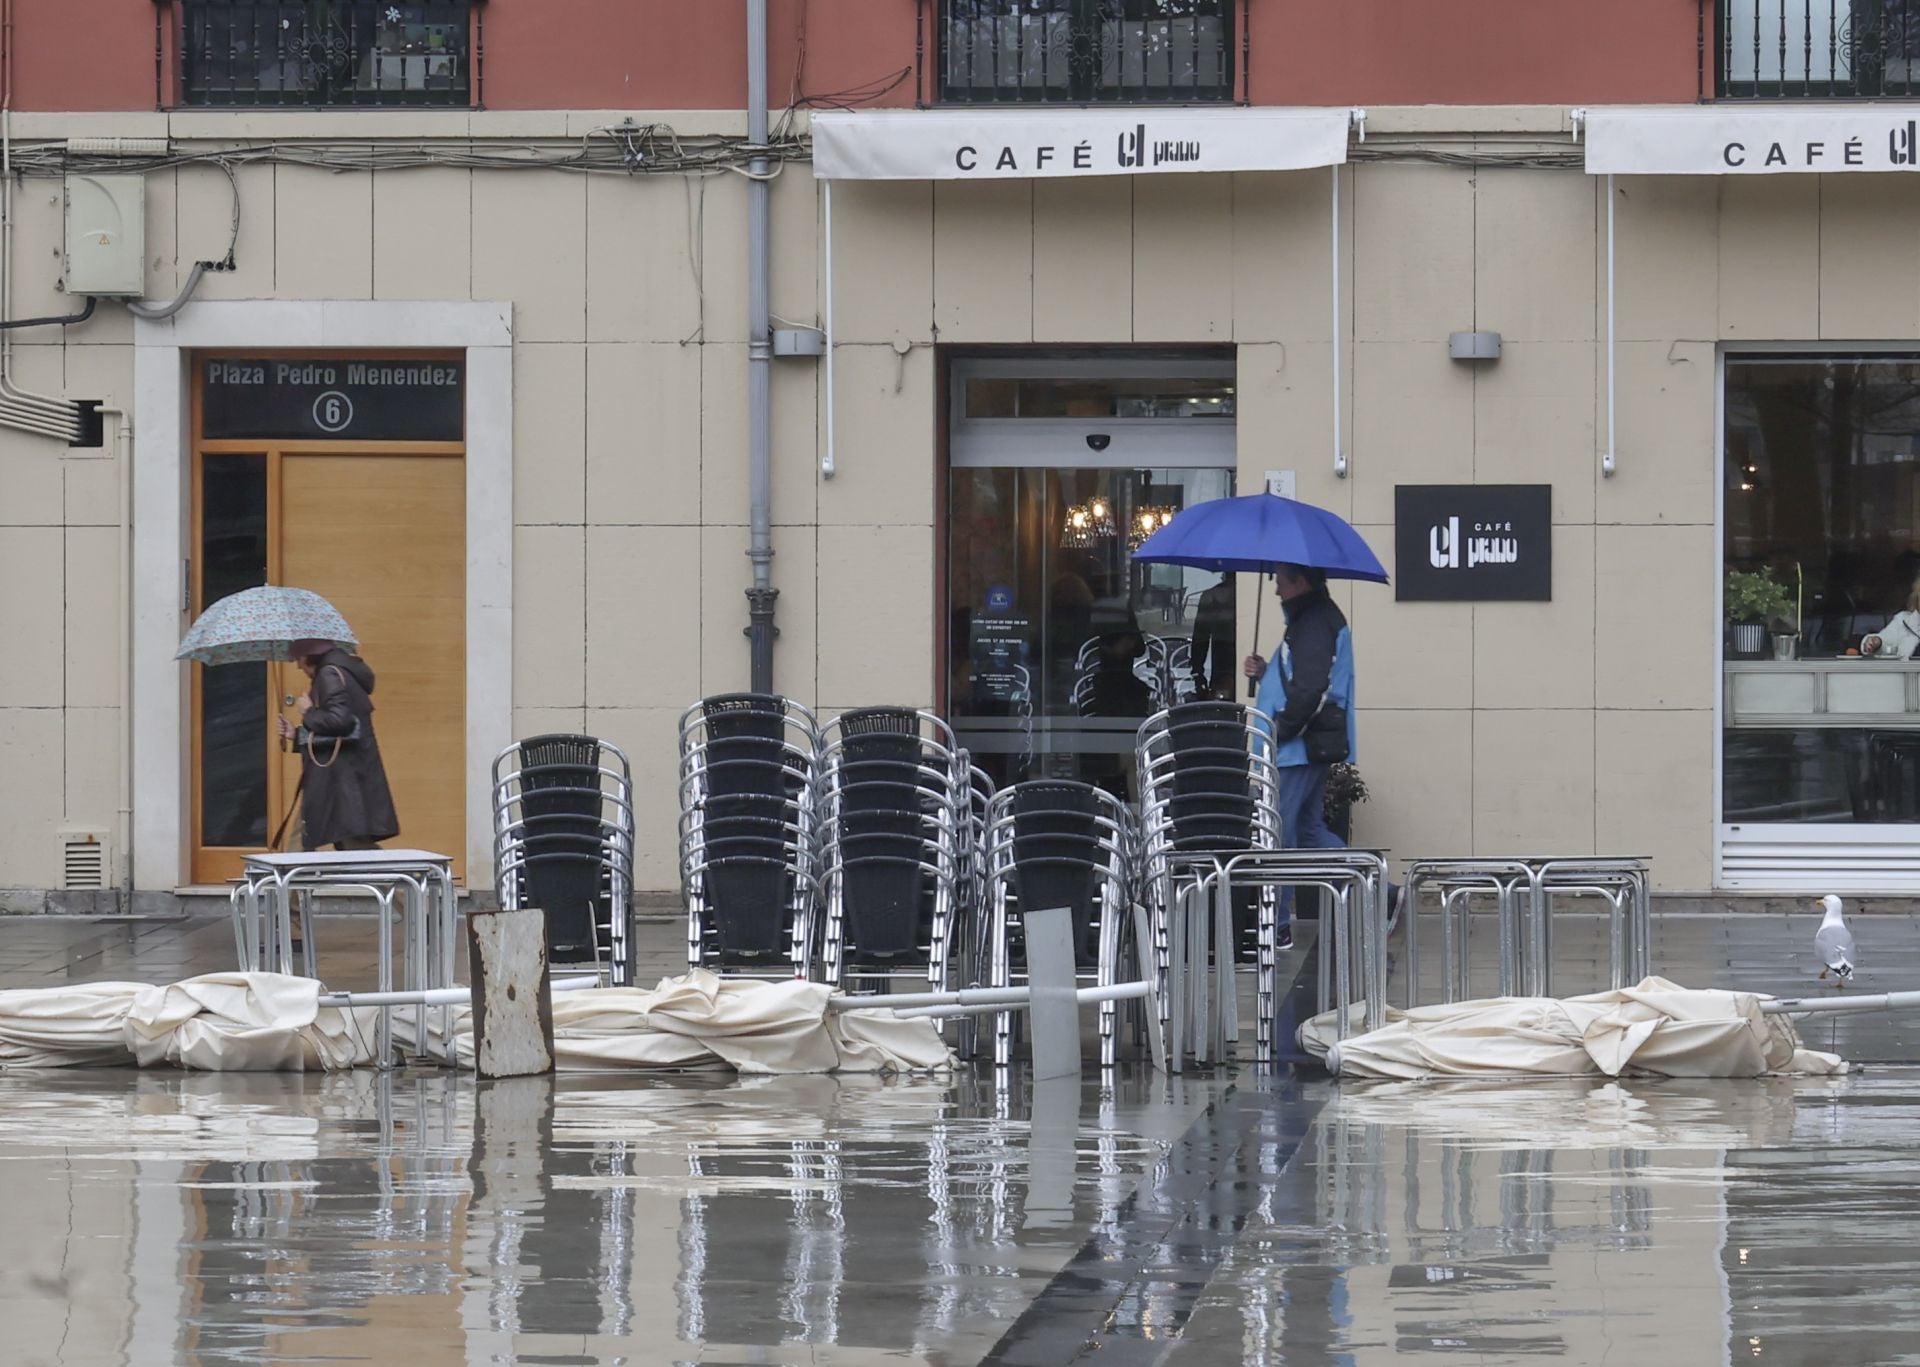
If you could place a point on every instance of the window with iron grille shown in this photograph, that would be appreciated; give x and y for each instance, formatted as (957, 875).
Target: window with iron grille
(1818, 49)
(326, 52)
(1086, 51)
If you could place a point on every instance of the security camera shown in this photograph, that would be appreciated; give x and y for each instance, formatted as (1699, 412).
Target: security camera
(1099, 441)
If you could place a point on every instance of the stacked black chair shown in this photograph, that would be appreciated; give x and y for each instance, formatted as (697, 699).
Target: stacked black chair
(1053, 843)
(1208, 791)
(894, 814)
(563, 841)
(747, 767)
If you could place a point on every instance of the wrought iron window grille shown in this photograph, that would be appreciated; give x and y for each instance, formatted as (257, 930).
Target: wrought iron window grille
(1811, 49)
(329, 53)
(1086, 51)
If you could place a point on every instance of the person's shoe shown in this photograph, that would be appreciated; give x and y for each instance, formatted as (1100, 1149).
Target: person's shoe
(1285, 939)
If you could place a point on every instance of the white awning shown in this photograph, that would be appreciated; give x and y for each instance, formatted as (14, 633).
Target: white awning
(1752, 139)
(996, 144)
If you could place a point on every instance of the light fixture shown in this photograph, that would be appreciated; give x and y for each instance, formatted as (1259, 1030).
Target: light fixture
(1076, 534)
(1151, 511)
(1087, 523)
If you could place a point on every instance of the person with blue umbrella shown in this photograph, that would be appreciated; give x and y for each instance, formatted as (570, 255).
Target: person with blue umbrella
(1307, 686)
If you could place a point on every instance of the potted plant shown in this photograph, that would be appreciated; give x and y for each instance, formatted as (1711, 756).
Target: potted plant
(1753, 602)
(1345, 789)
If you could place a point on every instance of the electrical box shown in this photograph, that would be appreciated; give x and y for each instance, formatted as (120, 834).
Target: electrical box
(107, 235)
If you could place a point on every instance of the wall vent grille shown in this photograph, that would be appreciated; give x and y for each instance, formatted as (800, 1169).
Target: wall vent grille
(84, 859)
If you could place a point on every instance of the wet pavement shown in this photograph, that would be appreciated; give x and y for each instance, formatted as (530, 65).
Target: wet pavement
(1237, 1217)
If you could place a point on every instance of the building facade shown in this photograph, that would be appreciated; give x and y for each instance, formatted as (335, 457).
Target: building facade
(466, 345)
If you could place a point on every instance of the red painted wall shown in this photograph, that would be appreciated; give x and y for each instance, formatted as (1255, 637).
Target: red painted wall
(1385, 52)
(690, 54)
(83, 54)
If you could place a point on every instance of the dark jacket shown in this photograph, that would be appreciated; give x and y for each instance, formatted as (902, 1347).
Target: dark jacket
(1301, 672)
(346, 796)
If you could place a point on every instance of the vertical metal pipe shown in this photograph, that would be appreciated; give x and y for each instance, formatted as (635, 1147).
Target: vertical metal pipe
(826, 316)
(762, 596)
(1339, 452)
(1612, 453)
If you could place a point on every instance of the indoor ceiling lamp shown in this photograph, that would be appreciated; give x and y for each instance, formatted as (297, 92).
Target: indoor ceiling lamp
(1150, 512)
(1086, 523)
(1146, 521)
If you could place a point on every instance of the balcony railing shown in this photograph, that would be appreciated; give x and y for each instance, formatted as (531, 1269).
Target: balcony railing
(1818, 49)
(1086, 51)
(326, 52)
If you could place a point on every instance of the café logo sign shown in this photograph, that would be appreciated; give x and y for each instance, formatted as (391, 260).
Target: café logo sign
(1718, 140)
(1817, 155)
(1473, 542)
(1134, 149)
(1492, 543)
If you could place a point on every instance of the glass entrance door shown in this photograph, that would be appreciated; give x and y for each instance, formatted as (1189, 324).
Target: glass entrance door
(1058, 644)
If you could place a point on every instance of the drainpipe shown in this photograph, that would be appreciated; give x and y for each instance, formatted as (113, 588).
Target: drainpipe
(762, 596)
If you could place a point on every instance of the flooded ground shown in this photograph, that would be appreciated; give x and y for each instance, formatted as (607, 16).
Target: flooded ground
(1239, 1217)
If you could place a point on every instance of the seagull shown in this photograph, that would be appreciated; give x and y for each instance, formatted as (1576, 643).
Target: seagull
(1833, 942)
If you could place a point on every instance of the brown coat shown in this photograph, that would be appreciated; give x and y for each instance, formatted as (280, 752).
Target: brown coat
(345, 798)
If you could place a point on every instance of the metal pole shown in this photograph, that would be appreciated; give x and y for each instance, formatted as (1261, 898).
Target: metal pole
(762, 597)
(1840, 1006)
(1611, 455)
(437, 996)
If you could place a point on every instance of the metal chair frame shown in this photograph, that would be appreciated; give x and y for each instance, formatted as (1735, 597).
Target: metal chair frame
(712, 840)
(939, 778)
(1113, 844)
(519, 845)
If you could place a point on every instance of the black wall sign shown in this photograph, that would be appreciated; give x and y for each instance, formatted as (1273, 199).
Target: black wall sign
(1475, 543)
(357, 400)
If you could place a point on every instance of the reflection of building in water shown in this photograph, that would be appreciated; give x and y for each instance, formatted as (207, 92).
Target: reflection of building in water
(1477, 1244)
(347, 1254)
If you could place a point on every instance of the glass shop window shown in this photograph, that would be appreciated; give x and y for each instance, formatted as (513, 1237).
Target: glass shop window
(1821, 594)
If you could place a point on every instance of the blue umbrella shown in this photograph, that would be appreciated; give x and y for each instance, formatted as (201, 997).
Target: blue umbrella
(1258, 533)
(261, 624)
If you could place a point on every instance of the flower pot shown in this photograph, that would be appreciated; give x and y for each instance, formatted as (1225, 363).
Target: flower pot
(1749, 639)
(1786, 646)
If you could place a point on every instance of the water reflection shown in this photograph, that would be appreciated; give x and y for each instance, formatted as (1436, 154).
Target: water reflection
(1664, 1222)
(428, 1219)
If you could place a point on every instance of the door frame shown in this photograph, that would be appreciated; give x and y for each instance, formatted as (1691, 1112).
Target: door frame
(163, 504)
(272, 451)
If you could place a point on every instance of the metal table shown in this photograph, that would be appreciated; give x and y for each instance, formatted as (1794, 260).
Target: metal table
(422, 882)
(1524, 887)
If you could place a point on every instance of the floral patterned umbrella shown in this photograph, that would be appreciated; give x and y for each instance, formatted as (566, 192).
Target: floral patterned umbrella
(260, 624)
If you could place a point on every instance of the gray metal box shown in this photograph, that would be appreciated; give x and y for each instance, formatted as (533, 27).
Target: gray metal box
(106, 241)
(1473, 346)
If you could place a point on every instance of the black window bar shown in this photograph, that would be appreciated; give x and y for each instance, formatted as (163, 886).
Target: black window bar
(317, 53)
(1086, 51)
(1818, 49)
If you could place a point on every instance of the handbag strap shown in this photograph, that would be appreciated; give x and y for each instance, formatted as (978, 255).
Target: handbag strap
(338, 741)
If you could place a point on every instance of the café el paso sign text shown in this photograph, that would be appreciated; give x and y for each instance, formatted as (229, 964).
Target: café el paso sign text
(1717, 140)
(1017, 145)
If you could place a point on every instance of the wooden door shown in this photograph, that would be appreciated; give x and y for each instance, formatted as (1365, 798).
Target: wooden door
(382, 536)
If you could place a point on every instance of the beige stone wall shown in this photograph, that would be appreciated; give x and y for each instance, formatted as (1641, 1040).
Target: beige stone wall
(1583, 724)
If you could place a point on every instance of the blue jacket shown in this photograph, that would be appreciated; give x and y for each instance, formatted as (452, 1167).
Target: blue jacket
(1315, 659)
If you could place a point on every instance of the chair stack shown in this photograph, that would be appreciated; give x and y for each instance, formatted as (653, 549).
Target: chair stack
(747, 852)
(1209, 792)
(563, 839)
(1054, 843)
(896, 828)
